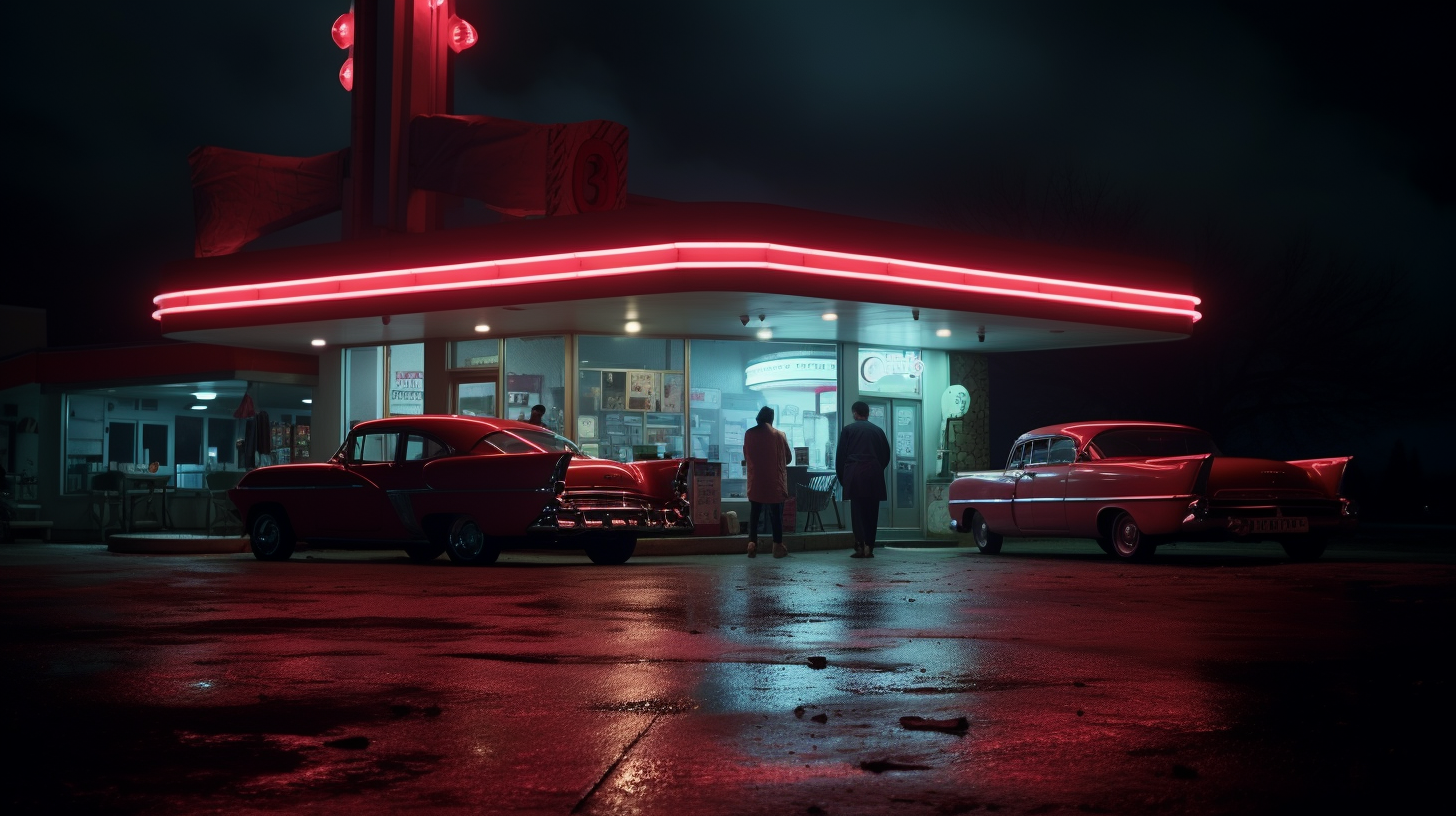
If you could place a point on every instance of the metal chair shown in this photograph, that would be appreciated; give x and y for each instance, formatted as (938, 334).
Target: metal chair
(108, 501)
(220, 510)
(816, 496)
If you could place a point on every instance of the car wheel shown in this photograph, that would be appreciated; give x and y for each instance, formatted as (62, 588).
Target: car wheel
(614, 550)
(1306, 548)
(424, 551)
(986, 541)
(1128, 541)
(271, 536)
(467, 544)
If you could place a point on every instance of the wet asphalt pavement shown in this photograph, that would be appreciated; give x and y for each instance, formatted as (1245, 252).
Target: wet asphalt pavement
(1219, 679)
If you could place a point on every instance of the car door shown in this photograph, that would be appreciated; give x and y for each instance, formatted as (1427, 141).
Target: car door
(1041, 494)
(373, 457)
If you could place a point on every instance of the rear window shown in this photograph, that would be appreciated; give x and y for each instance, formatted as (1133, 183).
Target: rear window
(1153, 442)
(519, 441)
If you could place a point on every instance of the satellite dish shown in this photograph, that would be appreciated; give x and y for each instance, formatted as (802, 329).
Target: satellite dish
(955, 402)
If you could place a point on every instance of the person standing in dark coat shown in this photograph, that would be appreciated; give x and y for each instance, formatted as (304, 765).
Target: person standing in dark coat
(860, 460)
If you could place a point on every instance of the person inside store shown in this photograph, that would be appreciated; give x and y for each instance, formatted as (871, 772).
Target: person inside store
(538, 415)
(766, 455)
(861, 456)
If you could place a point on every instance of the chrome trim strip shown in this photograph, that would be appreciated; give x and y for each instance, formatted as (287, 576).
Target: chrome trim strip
(295, 487)
(1183, 497)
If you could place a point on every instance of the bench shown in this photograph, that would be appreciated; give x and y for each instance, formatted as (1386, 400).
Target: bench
(43, 528)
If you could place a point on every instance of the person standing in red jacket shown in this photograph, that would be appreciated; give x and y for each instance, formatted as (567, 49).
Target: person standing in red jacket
(766, 455)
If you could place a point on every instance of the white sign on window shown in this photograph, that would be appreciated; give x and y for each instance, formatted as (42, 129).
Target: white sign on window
(890, 371)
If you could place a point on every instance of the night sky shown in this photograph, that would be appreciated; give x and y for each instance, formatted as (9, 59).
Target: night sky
(1224, 135)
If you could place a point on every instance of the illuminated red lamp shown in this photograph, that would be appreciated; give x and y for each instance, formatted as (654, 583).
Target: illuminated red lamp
(346, 74)
(462, 34)
(343, 30)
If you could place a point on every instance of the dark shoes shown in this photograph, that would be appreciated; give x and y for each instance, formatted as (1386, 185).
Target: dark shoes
(780, 550)
(861, 551)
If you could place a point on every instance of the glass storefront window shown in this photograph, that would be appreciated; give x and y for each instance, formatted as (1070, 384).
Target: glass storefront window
(536, 375)
(475, 354)
(732, 379)
(363, 384)
(186, 428)
(630, 398)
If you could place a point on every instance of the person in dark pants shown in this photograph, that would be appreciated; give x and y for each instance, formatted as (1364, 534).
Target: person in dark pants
(766, 455)
(860, 460)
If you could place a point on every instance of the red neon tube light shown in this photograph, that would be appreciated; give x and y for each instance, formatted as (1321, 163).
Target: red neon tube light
(627, 261)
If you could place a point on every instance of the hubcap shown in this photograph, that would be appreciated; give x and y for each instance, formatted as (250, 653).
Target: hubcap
(1127, 537)
(265, 534)
(467, 540)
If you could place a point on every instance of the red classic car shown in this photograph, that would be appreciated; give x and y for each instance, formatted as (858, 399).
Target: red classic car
(1131, 486)
(466, 486)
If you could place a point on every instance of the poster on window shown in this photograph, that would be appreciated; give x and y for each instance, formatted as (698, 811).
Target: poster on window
(407, 392)
(643, 391)
(672, 393)
(614, 390)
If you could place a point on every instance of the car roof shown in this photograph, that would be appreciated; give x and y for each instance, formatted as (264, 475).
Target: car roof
(1083, 432)
(459, 432)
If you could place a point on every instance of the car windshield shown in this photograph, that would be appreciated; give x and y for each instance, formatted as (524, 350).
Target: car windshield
(1148, 442)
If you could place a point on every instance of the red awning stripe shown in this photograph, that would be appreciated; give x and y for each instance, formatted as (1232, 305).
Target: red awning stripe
(687, 256)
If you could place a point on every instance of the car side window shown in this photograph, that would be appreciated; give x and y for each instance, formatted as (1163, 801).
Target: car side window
(419, 446)
(1017, 457)
(1063, 451)
(373, 448)
(1039, 449)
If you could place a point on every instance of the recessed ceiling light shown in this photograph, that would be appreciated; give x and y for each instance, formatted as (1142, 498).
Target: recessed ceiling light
(319, 342)
(308, 402)
(765, 334)
(633, 327)
(829, 316)
(204, 395)
(199, 407)
(481, 327)
(942, 332)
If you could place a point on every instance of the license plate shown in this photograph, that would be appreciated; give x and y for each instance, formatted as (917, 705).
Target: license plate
(1282, 524)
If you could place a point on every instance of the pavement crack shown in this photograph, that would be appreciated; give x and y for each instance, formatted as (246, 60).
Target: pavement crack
(618, 761)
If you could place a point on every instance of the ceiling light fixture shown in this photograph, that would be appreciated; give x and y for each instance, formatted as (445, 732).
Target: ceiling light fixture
(481, 327)
(319, 342)
(829, 316)
(204, 395)
(199, 407)
(633, 327)
(942, 332)
(308, 402)
(765, 334)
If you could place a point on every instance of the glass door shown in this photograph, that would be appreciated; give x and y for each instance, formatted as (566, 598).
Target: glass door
(900, 420)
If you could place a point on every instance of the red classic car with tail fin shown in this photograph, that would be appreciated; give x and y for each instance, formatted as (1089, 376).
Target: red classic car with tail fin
(1131, 486)
(465, 486)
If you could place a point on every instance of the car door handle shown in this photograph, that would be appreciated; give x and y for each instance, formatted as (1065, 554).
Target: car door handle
(1027, 475)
